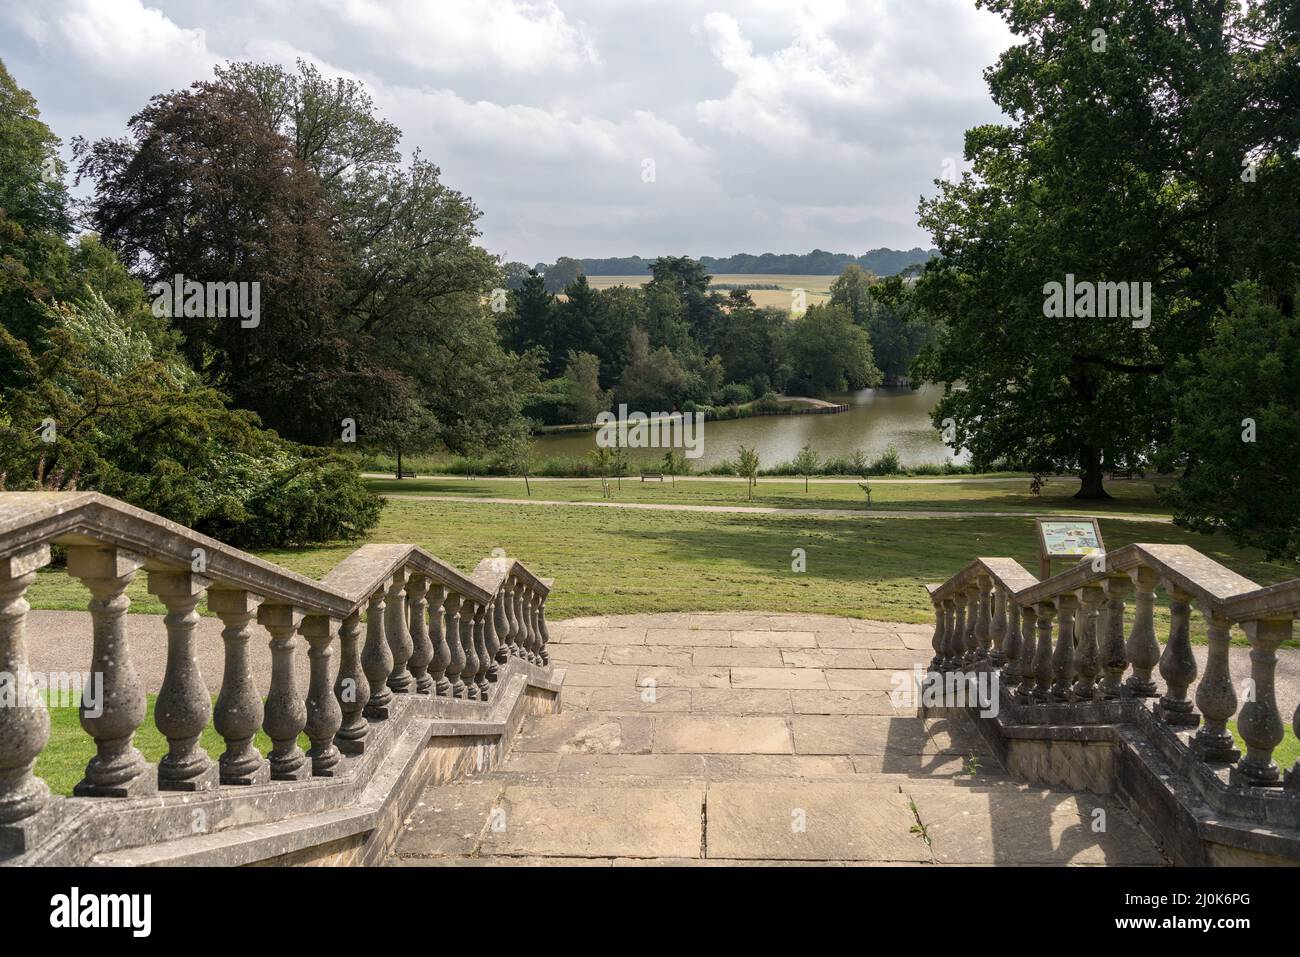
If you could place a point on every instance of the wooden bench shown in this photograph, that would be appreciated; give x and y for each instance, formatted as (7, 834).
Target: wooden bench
(652, 475)
(405, 473)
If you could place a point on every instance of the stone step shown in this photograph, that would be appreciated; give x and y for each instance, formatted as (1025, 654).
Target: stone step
(233, 847)
(883, 819)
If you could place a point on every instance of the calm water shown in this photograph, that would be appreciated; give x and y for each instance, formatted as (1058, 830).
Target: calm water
(877, 419)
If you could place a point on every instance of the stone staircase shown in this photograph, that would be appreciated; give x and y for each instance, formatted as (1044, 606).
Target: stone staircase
(745, 739)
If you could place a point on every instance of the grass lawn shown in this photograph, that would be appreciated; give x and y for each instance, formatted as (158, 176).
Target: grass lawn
(1130, 498)
(1285, 754)
(63, 762)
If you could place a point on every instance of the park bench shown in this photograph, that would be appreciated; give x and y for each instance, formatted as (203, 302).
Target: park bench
(652, 475)
(405, 473)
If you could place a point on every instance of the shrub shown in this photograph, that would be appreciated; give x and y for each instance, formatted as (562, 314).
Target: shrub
(734, 393)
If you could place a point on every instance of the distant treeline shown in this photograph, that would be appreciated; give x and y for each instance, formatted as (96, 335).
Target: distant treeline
(881, 262)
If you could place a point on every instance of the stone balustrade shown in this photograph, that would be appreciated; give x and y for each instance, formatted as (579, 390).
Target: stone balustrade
(429, 630)
(1060, 645)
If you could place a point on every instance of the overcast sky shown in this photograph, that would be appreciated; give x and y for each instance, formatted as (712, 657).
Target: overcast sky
(771, 126)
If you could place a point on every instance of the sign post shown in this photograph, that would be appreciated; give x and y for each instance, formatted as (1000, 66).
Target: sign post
(1066, 538)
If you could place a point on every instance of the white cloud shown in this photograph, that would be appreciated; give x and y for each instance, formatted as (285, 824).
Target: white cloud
(451, 35)
(121, 39)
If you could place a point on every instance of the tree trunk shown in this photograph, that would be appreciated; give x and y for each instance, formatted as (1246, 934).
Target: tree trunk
(1091, 488)
(399, 463)
(527, 486)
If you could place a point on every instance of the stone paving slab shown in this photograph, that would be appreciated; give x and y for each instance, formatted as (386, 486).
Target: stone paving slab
(598, 822)
(640, 655)
(773, 639)
(741, 701)
(858, 734)
(788, 678)
(686, 637)
(812, 822)
(641, 699)
(845, 702)
(828, 658)
(859, 639)
(449, 819)
(1028, 826)
(667, 676)
(598, 636)
(738, 657)
(721, 734)
(861, 679)
(587, 732)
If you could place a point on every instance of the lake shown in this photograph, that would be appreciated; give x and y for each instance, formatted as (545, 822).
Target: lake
(877, 419)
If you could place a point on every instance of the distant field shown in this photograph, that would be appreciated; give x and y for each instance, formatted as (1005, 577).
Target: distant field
(816, 288)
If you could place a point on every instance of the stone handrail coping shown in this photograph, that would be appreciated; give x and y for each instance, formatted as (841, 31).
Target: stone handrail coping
(29, 520)
(1216, 588)
(1006, 572)
(1209, 583)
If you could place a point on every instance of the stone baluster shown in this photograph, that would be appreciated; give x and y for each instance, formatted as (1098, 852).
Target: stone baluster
(438, 636)
(1215, 696)
(940, 635)
(1012, 644)
(534, 637)
(481, 618)
(286, 712)
(1087, 659)
(1112, 657)
(491, 641)
(417, 608)
(521, 620)
(324, 716)
(1142, 649)
(998, 626)
(1045, 612)
(543, 633)
(983, 618)
(24, 730)
(1063, 656)
(117, 769)
(971, 640)
(467, 617)
(456, 664)
(959, 632)
(399, 637)
(1029, 645)
(352, 689)
(949, 633)
(507, 599)
(183, 707)
(1177, 665)
(501, 621)
(1260, 722)
(1293, 776)
(377, 659)
(238, 713)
